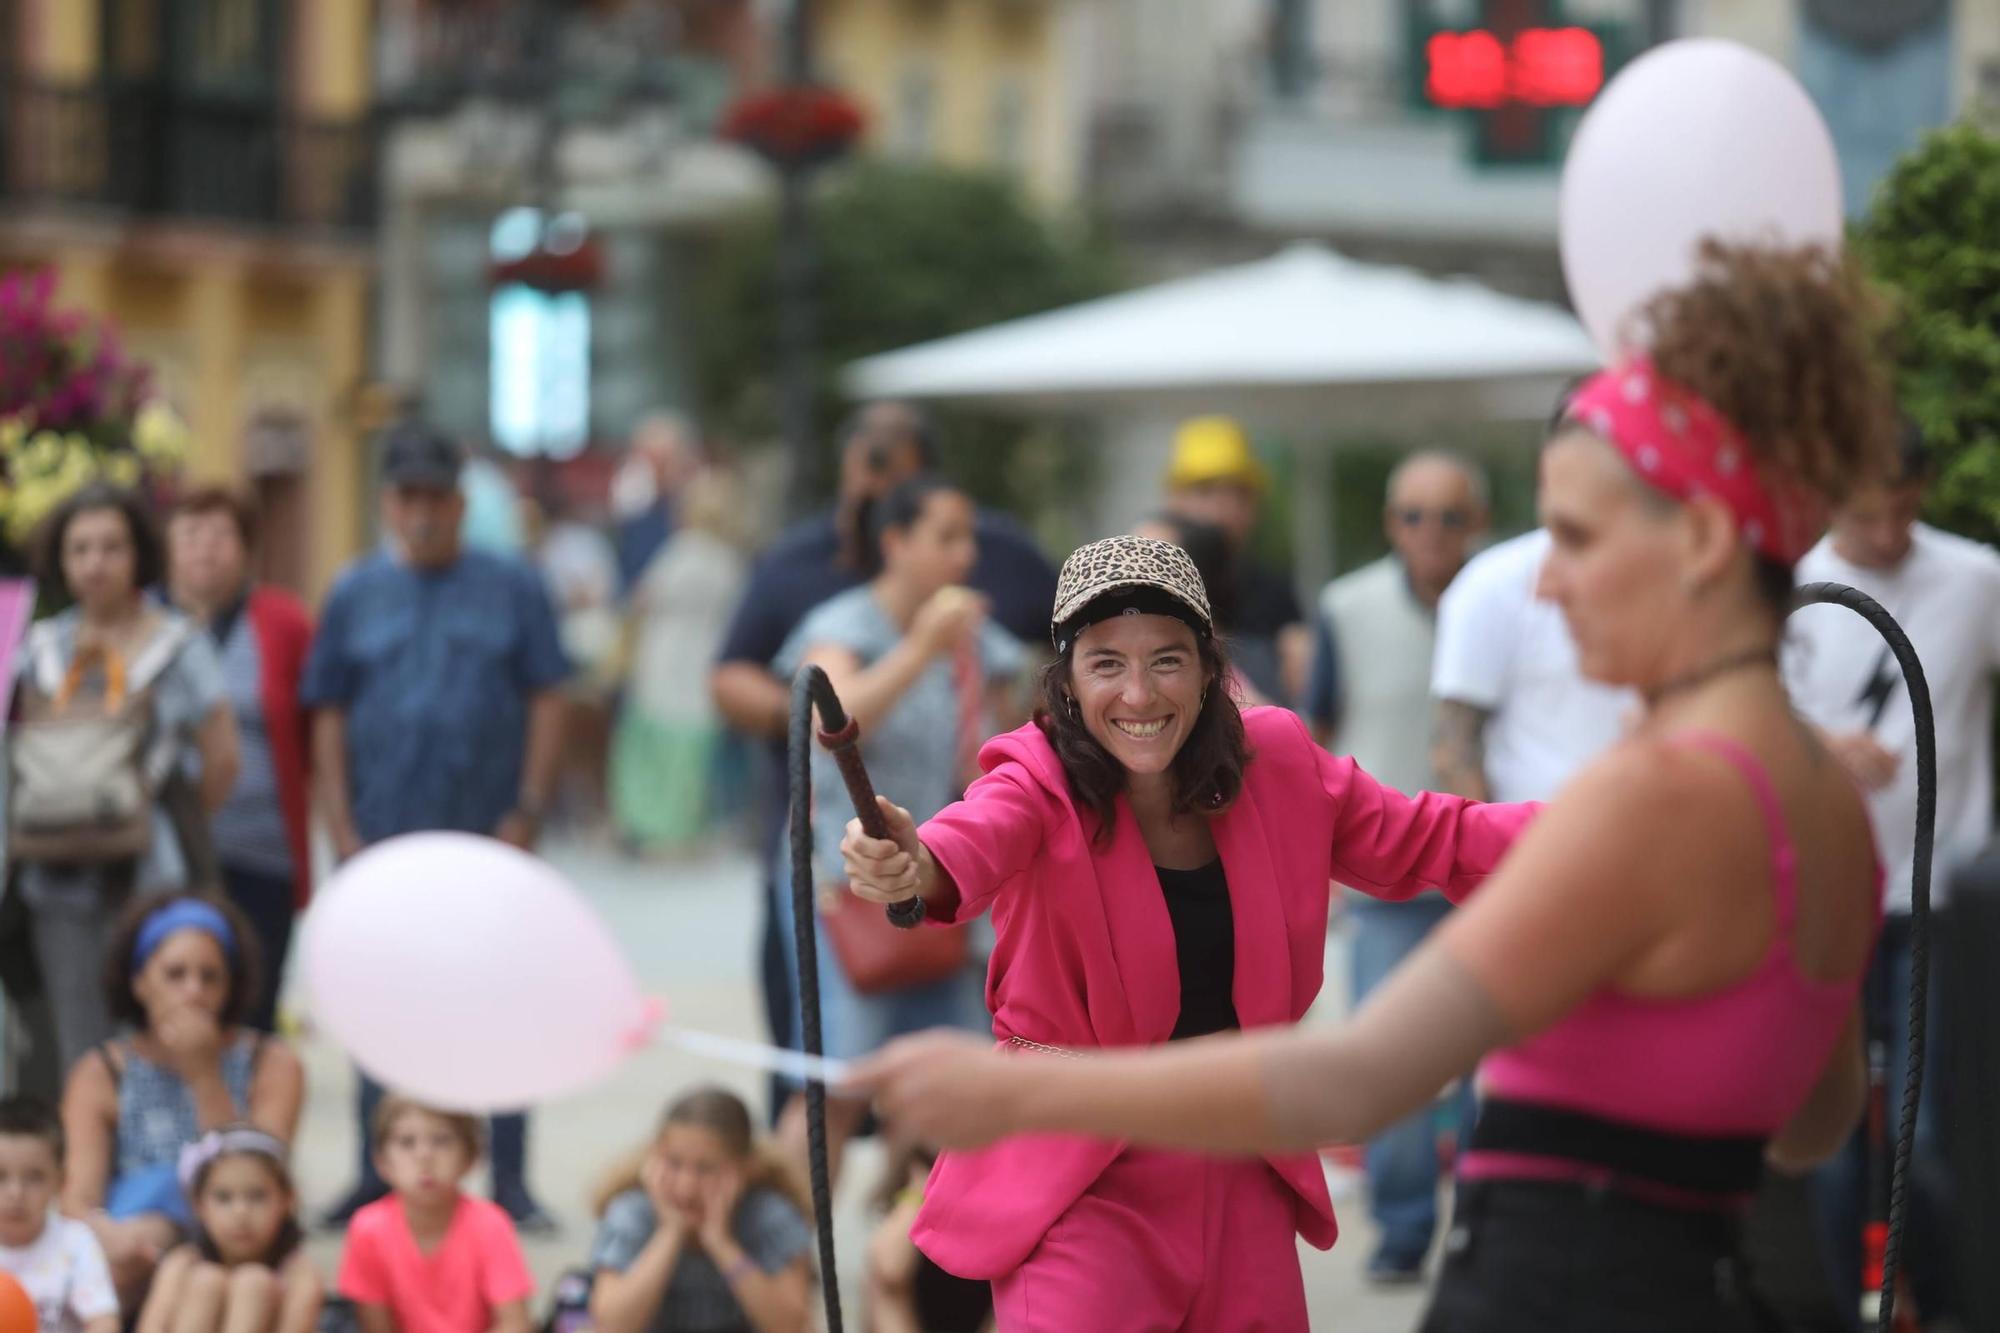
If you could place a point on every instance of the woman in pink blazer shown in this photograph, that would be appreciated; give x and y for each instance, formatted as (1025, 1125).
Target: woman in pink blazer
(1157, 864)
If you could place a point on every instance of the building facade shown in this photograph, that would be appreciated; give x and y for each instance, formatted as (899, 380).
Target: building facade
(201, 173)
(550, 172)
(997, 85)
(1222, 126)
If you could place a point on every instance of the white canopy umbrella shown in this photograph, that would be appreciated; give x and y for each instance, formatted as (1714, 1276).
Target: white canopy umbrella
(1291, 329)
(1305, 340)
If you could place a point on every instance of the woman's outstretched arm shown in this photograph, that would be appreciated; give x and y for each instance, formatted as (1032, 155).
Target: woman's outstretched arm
(1597, 881)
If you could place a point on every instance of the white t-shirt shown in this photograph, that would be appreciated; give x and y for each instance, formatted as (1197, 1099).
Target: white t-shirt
(64, 1274)
(1501, 649)
(1946, 596)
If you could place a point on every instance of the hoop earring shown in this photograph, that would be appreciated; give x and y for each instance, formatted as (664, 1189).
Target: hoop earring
(1075, 708)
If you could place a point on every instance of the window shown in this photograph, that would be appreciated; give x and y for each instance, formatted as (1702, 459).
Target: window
(539, 371)
(916, 111)
(1010, 126)
(227, 47)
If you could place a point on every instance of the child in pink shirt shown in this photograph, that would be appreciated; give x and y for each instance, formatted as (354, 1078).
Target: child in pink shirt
(430, 1258)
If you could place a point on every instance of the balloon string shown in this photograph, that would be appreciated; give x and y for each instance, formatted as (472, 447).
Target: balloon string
(756, 1055)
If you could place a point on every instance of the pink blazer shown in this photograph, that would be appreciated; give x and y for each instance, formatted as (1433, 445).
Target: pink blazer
(1084, 952)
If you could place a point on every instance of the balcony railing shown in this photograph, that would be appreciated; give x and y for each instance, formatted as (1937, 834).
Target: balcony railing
(581, 62)
(141, 151)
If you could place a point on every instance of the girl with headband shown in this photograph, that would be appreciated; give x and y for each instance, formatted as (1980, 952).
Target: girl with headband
(1659, 987)
(1157, 863)
(181, 978)
(245, 1270)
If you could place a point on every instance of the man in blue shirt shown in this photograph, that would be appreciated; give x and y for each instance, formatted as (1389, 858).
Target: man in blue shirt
(883, 445)
(434, 679)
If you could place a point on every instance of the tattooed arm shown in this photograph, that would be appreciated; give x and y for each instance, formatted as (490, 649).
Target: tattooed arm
(1458, 748)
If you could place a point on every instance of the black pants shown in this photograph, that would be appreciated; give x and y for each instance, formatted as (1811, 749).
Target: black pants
(267, 901)
(1561, 1258)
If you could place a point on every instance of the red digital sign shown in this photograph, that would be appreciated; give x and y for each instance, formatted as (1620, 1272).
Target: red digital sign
(1542, 67)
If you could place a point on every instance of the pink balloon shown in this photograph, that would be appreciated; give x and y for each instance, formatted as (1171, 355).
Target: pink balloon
(1696, 138)
(468, 974)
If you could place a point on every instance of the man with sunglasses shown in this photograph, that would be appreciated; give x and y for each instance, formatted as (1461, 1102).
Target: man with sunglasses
(1373, 701)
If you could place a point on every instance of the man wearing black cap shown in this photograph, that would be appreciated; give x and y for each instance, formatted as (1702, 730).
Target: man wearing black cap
(434, 679)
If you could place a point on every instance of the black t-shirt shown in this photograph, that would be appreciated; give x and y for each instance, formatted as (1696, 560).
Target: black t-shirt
(1265, 604)
(1204, 946)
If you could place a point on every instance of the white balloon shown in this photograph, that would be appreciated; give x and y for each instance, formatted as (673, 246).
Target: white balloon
(1696, 138)
(468, 974)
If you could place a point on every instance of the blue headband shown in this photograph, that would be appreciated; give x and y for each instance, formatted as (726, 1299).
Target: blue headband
(182, 914)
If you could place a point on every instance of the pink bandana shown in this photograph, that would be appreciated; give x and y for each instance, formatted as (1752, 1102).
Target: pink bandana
(1682, 447)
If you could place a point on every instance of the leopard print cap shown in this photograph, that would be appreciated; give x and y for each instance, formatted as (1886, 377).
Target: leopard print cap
(1126, 562)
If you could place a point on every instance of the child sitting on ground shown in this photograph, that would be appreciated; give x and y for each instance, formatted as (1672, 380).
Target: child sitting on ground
(245, 1271)
(707, 1231)
(56, 1259)
(431, 1258)
(907, 1291)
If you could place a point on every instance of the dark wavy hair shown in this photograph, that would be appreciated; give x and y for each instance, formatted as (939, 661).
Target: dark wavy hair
(245, 966)
(149, 557)
(1207, 771)
(290, 1236)
(899, 511)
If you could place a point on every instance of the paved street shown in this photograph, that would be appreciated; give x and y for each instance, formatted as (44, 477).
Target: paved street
(689, 929)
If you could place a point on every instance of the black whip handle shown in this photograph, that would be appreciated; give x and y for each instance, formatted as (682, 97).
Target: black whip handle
(841, 734)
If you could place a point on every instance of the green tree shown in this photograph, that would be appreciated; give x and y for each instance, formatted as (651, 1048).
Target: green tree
(905, 253)
(1933, 236)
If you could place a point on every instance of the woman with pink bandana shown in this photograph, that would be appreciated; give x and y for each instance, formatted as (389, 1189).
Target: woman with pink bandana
(1658, 989)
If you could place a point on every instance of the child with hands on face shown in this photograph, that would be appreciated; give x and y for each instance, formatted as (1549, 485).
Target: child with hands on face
(56, 1259)
(245, 1271)
(706, 1234)
(431, 1258)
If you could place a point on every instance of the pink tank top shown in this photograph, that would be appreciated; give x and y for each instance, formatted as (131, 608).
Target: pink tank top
(1737, 1062)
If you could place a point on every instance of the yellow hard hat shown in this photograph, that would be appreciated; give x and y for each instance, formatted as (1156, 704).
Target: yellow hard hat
(1213, 449)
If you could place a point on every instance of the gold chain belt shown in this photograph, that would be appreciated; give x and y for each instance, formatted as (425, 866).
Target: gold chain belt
(1024, 1044)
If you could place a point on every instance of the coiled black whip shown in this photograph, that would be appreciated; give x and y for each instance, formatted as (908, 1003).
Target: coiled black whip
(839, 734)
(1839, 594)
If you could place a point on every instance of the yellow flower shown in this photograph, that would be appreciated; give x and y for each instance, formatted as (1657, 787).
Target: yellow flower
(42, 455)
(13, 431)
(59, 466)
(122, 469)
(33, 502)
(159, 434)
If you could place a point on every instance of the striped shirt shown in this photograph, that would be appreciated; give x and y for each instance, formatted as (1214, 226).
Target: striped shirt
(249, 829)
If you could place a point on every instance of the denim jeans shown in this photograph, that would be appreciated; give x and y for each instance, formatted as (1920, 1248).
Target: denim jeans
(267, 901)
(1840, 1188)
(1402, 1161)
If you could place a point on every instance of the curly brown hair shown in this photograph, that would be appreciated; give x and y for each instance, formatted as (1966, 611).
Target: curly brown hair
(1791, 346)
(245, 962)
(149, 554)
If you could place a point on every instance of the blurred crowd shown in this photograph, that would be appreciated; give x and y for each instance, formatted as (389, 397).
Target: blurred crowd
(504, 663)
